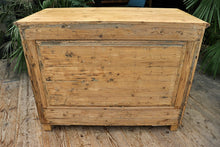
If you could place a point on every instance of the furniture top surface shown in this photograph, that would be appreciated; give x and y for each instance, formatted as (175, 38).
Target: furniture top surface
(111, 15)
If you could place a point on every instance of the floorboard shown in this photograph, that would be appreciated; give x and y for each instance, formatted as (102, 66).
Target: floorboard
(9, 95)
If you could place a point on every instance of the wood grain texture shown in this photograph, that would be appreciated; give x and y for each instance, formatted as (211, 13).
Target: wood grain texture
(33, 71)
(54, 138)
(184, 79)
(9, 93)
(110, 73)
(112, 116)
(200, 125)
(8, 105)
(94, 53)
(192, 72)
(132, 24)
(28, 126)
(116, 31)
(98, 62)
(58, 15)
(46, 127)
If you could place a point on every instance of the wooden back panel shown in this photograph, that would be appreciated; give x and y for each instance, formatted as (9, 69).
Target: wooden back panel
(110, 73)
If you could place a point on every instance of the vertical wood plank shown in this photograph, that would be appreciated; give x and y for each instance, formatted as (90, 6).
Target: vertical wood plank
(133, 136)
(54, 138)
(72, 137)
(115, 134)
(8, 111)
(80, 136)
(34, 74)
(86, 137)
(28, 127)
(189, 54)
(191, 76)
(102, 137)
(147, 138)
(165, 137)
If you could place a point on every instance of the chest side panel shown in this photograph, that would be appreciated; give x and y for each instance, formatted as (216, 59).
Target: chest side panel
(110, 73)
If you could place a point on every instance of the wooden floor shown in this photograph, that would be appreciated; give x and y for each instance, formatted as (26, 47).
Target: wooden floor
(19, 124)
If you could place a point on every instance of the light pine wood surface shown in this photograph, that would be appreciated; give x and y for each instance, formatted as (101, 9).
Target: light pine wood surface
(20, 125)
(111, 66)
(123, 15)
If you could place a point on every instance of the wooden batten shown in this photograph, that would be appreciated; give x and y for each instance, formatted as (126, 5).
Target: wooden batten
(109, 31)
(113, 116)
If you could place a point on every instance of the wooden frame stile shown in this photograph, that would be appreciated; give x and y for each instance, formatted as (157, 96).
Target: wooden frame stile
(29, 48)
(187, 75)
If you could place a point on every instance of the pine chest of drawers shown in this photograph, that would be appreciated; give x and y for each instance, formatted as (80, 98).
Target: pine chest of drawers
(111, 66)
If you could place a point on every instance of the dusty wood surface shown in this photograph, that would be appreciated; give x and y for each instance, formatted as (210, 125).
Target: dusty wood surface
(110, 59)
(59, 15)
(110, 73)
(113, 23)
(20, 125)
